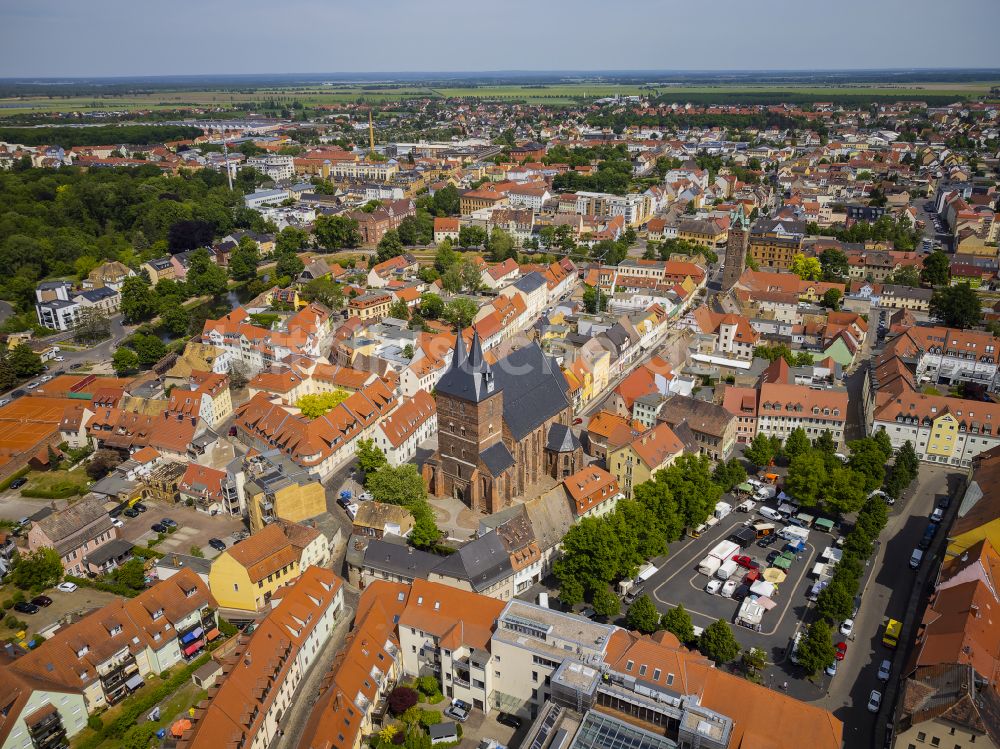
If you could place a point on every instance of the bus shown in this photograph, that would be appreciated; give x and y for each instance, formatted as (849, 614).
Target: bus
(891, 637)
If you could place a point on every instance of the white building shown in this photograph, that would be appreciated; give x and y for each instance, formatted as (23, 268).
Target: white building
(413, 422)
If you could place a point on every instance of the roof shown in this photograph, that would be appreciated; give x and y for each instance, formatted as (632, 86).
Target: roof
(266, 551)
(534, 389)
(69, 528)
(497, 459)
(657, 446)
(700, 415)
(561, 439)
(589, 487)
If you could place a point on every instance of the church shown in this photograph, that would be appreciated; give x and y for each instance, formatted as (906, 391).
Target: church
(501, 428)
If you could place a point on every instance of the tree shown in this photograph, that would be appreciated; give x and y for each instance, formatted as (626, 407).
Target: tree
(471, 236)
(753, 660)
(24, 362)
(292, 239)
(907, 275)
(389, 246)
(884, 443)
(806, 478)
(937, 269)
(594, 300)
(38, 569)
(288, 265)
(370, 457)
(243, 261)
(831, 299)
(445, 257)
(137, 301)
(92, 325)
(238, 376)
(957, 306)
(761, 451)
(678, 622)
(176, 320)
(592, 557)
(806, 268)
(605, 602)
(816, 650)
(131, 574)
(399, 310)
(835, 602)
(148, 347)
(325, 291)
(843, 492)
(397, 485)
(729, 474)
(431, 306)
(402, 699)
(139, 735)
(642, 615)
(690, 484)
(425, 533)
(501, 246)
(315, 405)
(834, 264)
(461, 312)
(102, 462)
(718, 643)
(124, 361)
(797, 443)
(204, 277)
(335, 232)
(470, 274)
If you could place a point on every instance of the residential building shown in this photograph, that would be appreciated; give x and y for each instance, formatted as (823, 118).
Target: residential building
(248, 574)
(636, 462)
(724, 336)
(446, 228)
(774, 242)
(400, 433)
(275, 488)
(978, 516)
(378, 519)
(261, 674)
(782, 408)
(373, 305)
(209, 490)
(399, 267)
(37, 712)
(75, 532)
(109, 653)
(713, 427)
(592, 492)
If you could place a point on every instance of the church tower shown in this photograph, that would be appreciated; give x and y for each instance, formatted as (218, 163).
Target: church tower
(736, 249)
(470, 420)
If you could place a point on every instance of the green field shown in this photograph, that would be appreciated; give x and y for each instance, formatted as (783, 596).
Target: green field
(555, 94)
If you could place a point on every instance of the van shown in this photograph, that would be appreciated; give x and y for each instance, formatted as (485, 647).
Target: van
(769, 513)
(916, 558)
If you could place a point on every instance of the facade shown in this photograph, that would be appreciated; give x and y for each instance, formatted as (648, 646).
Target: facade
(782, 408)
(75, 533)
(399, 433)
(713, 427)
(592, 492)
(275, 488)
(500, 430)
(371, 306)
(636, 462)
(774, 243)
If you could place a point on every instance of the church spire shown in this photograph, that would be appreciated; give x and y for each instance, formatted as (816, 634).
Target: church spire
(469, 377)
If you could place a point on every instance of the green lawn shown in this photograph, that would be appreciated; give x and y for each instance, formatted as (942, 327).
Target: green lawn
(51, 480)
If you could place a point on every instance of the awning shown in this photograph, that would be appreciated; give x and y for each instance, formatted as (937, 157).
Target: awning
(194, 634)
(178, 728)
(134, 682)
(193, 647)
(824, 524)
(745, 488)
(774, 575)
(212, 634)
(766, 603)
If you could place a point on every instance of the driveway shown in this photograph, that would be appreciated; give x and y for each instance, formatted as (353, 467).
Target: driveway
(76, 604)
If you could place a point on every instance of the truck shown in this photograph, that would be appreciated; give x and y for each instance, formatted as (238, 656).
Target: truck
(763, 529)
(794, 533)
(645, 572)
(722, 509)
(726, 570)
(768, 491)
(744, 537)
(724, 550)
(709, 565)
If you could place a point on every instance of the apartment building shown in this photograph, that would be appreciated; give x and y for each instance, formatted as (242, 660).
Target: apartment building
(209, 490)
(782, 408)
(275, 488)
(948, 356)
(713, 427)
(107, 655)
(400, 433)
(774, 242)
(373, 305)
(635, 462)
(726, 336)
(592, 492)
(75, 532)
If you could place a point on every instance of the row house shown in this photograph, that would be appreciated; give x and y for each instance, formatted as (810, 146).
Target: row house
(783, 407)
(726, 335)
(949, 356)
(400, 433)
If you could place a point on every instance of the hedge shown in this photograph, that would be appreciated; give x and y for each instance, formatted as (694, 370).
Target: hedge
(58, 491)
(116, 588)
(5, 484)
(137, 707)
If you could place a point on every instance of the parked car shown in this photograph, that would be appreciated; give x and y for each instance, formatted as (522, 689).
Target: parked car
(938, 515)
(168, 522)
(117, 523)
(456, 712)
(4, 402)
(768, 541)
(344, 500)
(874, 701)
(506, 719)
(577, 420)
(24, 607)
(945, 502)
(847, 628)
(714, 586)
(42, 601)
(60, 358)
(884, 669)
(158, 528)
(75, 365)
(772, 555)
(729, 587)
(18, 482)
(217, 543)
(841, 648)
(746, 562)
(139, 506)
(131, 512)
(831, 670)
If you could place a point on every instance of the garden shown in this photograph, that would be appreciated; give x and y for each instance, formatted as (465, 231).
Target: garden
(408, 724)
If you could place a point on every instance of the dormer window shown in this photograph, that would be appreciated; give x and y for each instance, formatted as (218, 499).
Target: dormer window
(115, 630)
(157, 614)
(82, 651)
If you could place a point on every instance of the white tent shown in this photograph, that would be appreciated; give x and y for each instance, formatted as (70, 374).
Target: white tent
(763, 588)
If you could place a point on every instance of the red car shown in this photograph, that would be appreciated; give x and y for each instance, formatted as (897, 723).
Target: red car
(744, 561)
(841, 650)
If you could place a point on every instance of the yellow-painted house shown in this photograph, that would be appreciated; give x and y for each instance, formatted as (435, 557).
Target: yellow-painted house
(246, 575)
(636, 462)
(281, 496)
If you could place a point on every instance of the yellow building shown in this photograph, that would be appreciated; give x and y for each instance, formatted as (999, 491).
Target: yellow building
(944, 430)
(636, 462)
(703, 232)
(979, 513)
(246, 575)
(281, 494)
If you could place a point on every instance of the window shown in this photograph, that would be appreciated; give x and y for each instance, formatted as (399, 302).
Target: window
(656, 674)
(628, 666)
(921, 736)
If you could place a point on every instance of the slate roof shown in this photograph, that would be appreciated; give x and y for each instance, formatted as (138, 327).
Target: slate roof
(497, 459)
(404, 561)
(534, 390)
(469, 377)
(561, 439)
(530, 282)
(483, 562)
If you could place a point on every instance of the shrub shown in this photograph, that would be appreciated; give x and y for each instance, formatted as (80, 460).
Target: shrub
(5, 484)
(402, 699)
(429, 717)
(94, 723)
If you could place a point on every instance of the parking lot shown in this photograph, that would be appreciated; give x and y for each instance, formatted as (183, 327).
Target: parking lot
(193, 528)
(75, 604)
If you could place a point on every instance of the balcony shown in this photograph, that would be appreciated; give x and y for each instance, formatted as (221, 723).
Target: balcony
(47, 732)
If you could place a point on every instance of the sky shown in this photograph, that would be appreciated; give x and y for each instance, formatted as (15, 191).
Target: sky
(189, 37)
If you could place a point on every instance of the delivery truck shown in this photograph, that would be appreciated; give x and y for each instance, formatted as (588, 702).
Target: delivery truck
(724, 550)
(709, 565)
(726, 570)
(722, 509)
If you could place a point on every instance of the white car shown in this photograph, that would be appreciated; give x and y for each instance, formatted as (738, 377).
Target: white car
(847, 628)
(937, 515)
(831, 670)
(729, 588)
(874, 701)
(883, 496)
(884, 670)
(60, 358)
(66, 587)
(117, 523)
(713, 587)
